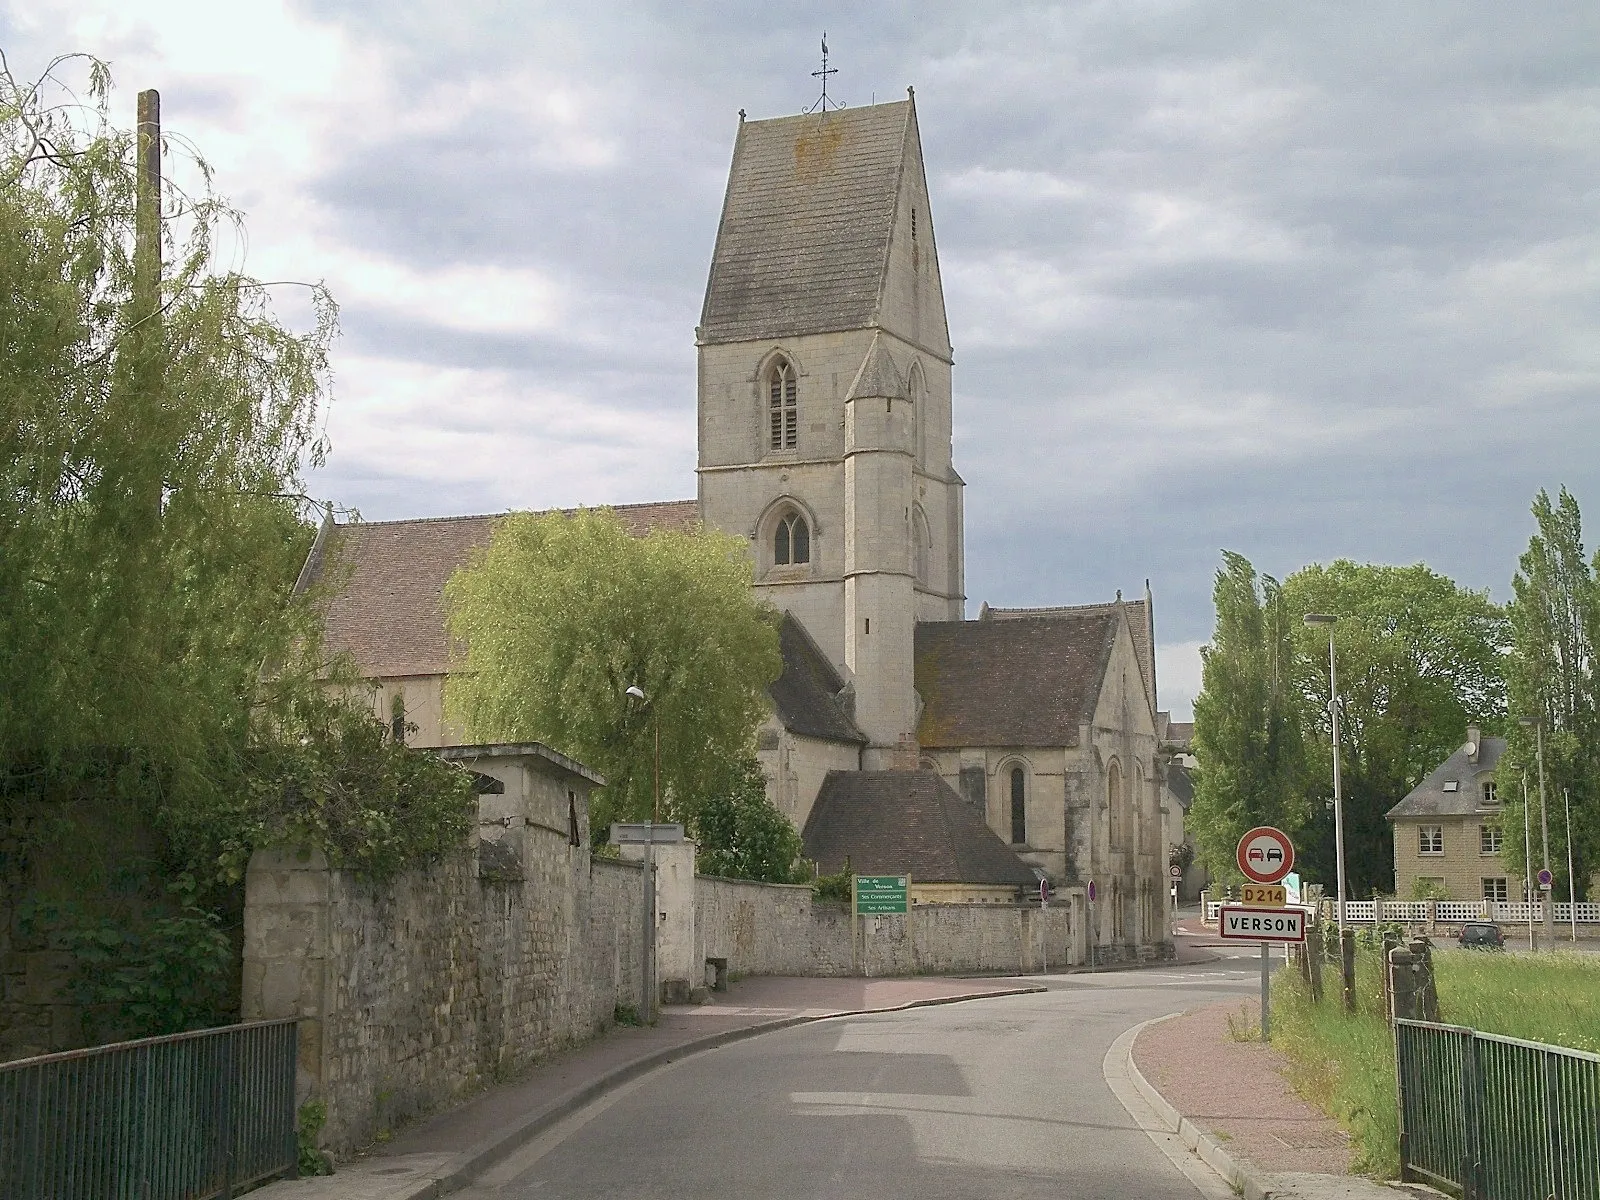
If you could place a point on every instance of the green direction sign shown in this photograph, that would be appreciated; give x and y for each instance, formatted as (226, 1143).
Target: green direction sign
(877, 895)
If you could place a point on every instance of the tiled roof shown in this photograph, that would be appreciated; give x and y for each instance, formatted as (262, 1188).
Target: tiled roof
(1023, 682)
(1430, 799)
(386, 580)
(907, 822)
(1138, 626)
(804, 240)
(805, 695)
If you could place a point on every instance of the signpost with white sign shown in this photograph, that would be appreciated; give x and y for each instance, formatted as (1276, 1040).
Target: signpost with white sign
(1265, 856)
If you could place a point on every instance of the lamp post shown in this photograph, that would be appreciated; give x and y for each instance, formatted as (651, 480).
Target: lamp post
(647, 983)
(1329, 620)
(1537, 725)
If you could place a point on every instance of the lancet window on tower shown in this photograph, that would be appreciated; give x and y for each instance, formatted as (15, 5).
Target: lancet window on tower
(783, 411)
(791, 541)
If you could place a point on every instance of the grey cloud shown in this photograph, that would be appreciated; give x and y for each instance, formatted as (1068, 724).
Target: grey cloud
(1383, 354)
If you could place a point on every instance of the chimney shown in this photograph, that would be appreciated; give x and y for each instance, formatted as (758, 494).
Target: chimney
(1474, 743)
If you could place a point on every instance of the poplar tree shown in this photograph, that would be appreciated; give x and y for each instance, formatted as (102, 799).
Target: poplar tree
(1554, 678)
(1246, 723)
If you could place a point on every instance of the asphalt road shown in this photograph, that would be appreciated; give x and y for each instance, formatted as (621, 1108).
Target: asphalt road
(990, 1098)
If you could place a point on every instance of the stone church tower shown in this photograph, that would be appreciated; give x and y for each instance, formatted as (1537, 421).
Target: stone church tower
(825, 397)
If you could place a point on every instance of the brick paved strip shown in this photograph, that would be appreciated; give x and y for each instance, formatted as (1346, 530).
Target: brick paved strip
(1237, 1091)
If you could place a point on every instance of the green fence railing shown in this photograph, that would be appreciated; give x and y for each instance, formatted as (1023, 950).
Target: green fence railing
(1496, 1117)
(185, 1117)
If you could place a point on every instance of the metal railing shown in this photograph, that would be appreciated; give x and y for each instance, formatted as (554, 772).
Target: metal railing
(1497, 1117)
(185, 1117)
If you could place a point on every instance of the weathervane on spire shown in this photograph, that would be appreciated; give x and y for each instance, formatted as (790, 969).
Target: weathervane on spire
(823, 102)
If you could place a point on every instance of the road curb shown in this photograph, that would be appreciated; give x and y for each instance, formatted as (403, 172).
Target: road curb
(477, 1158)
(1243, 1178)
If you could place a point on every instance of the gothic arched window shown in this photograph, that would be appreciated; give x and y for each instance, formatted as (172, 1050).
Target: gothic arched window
(783, 412)
(1019, 806)
(791, 541)
(1114, 804)
(921, 545)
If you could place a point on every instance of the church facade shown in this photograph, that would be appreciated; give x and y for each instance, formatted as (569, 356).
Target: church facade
(1018, 745)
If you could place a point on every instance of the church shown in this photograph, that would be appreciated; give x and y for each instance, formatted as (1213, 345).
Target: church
(979, 756)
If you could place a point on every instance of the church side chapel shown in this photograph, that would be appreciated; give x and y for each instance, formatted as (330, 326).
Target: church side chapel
(976, 755)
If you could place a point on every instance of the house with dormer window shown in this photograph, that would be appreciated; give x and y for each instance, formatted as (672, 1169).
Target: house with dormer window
(1447, 833)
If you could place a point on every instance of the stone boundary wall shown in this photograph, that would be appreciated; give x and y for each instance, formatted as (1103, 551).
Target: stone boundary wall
(775, 929)
(438, 983)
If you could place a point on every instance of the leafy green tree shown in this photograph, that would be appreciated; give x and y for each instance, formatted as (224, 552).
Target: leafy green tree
(163, 705)
(560, 615)
(741, 834)
(155, 425)
(1419, 657)
(1554, 678)
(1246, 721)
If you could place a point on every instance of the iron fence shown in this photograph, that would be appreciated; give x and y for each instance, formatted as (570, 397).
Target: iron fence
(1497, 1117)
(185, 1117)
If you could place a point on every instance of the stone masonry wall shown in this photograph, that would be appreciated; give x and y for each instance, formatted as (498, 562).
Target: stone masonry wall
(764, 929)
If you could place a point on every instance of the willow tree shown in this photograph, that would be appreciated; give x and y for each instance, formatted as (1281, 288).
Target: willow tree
(561, 615)
(155, 426)
(1246, 721)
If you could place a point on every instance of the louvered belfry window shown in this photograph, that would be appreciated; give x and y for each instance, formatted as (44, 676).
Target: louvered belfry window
(782, 410)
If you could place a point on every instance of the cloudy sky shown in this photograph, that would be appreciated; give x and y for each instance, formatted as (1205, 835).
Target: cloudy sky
(1300, 280)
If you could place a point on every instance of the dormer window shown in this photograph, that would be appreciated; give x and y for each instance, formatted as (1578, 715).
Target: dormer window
(1490, 797)
(783, 411)
(791, 541)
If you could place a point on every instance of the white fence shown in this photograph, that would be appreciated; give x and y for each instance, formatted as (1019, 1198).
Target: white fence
(1448, 912)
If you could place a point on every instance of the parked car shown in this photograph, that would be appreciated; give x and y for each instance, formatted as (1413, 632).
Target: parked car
(1481, 935)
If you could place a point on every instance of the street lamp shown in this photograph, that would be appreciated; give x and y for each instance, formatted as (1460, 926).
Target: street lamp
(647, 983)
(1537, 725)
(1329, 620)
(655, 720)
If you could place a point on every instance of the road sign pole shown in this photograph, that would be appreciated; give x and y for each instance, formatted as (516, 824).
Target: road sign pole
(1266, 998)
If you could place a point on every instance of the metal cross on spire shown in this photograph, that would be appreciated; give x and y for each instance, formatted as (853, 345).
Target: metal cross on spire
(823, 101)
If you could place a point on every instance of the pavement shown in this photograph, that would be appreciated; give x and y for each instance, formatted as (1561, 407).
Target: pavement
(1256, 1134)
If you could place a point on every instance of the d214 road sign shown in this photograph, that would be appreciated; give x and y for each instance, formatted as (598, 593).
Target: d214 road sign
(881, 895)
(1236, 923)
(1265, 895)
(1265, 854)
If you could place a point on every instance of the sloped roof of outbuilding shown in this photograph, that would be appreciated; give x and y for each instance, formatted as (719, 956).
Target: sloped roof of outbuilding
(803, 244)
(385, 580)
(1433, 797)
(1030, 681)
(907, 822)
(806, 695)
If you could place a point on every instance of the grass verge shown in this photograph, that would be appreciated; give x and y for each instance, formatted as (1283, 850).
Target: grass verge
(1345, 1063)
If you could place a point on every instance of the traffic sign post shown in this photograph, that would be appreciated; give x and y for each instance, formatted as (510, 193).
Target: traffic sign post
(876, 896)
(1265, 855)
